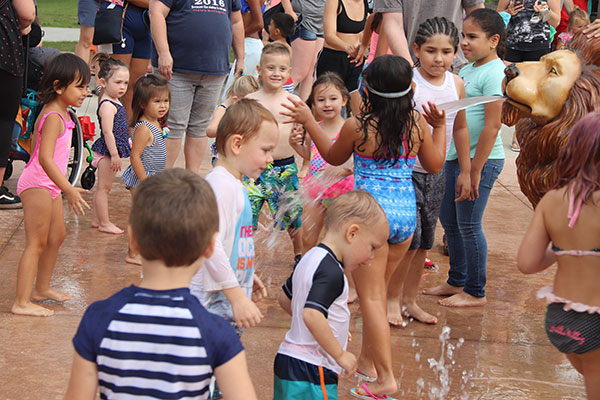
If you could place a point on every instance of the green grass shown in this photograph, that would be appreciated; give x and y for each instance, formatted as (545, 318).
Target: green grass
(62, 46)
(58, 13)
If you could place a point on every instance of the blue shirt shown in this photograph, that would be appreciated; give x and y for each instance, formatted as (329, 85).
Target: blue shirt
(154, 344)
(484, 80)
(199, 35)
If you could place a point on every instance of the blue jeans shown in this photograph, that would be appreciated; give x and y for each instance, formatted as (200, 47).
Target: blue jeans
(467, 245)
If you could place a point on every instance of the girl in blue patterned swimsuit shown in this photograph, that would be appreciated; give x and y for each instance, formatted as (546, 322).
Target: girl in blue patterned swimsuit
(385, 139)
(113, 144)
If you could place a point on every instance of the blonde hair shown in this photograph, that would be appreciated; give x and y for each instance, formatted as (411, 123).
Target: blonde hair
(353, 207)
(242, 86)
(243, 118)
(275, 48)
(577, 15)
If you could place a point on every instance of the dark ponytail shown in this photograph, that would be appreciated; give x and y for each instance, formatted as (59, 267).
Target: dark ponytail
(492, 24)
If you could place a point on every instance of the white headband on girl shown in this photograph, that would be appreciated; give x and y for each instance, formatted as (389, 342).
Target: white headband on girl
(392, 95)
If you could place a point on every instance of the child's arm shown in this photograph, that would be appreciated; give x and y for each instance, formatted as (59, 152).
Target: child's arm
(211, 129)
(463, 150)
(334, 153)
(52, 128)
(142, 137)
(107, 113)
(319, 328)
(432, 152)
(234, 380)
(299, 142)
(487, 138)
(284, 301)
(84, 379)
(534, 254)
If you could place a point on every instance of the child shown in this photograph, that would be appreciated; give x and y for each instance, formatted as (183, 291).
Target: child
(280, 28)
(151, 99)
(113, 144)
(278, 183)
(155, 340)
(573, 312)
(313, 351)
(578, 19)
(246, 136)
(328, 96)
(64, 83)
(384, 139)
(483, 40)
(435, 46)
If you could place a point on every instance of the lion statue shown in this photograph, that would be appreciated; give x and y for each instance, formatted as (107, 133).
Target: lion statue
(545, 99)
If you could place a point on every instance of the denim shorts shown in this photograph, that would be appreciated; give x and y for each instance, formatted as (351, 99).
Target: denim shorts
(136, 36)
(302, 33)
(86, 12)
(193, 101)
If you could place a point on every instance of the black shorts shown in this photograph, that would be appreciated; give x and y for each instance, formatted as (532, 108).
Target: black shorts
(429, 192)
(572, 331)
(338, 61)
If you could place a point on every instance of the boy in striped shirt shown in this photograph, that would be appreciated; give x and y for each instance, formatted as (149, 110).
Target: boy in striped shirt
(155, 340)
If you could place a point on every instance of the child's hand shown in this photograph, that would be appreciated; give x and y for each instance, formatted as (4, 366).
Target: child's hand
(348, 363)
(298, 111)
(115, 163)
(297, 135)
(259, 291)
(246, 313)
(433, 116)
(76, 202)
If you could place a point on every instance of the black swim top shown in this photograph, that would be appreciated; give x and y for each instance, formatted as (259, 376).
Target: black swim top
(560, 252)
(347, 25)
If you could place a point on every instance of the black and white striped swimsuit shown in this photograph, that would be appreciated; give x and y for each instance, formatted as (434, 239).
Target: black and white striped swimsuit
(154, 157)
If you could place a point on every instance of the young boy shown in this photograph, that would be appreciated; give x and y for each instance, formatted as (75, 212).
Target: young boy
(278, 183)
(313, 352)
(155, 340)
(280, 28)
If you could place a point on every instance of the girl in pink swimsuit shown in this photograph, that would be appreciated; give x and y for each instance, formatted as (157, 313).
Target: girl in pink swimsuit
(64, 84)
(567, 218)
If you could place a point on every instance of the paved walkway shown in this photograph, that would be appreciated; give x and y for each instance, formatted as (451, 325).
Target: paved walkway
(61, 34)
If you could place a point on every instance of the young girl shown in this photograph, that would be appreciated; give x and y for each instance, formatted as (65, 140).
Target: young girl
(483, 38)
(151, 98)
(435, 46)
(385, 140)
(113, 143)
(64, 84)
(578, 19)
(573, 312)
(328, 96)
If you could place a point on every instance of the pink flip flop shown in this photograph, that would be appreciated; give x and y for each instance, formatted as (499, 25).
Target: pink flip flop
(369, 395)
(363, 377)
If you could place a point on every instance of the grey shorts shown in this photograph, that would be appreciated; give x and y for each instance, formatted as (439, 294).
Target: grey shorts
(429, 192)
(216, 303)
(86, 12)
(193, 101)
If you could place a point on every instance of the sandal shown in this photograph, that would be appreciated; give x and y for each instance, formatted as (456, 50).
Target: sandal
(515, 146)
(368, 395)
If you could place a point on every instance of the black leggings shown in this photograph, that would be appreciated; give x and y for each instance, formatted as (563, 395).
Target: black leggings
(9, 104)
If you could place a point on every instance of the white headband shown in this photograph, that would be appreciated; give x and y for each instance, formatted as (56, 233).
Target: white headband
(392, 95)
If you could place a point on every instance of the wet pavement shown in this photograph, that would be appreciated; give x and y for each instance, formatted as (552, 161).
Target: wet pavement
(499, 351)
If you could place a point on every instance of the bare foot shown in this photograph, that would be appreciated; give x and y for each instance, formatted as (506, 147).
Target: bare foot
(135, 260)
(94, 224)
(463, 299)
(31, 309)
(414, 311)
(444, 289)
(394, 313)
(111, 228)
(50, 294)
(375, 390)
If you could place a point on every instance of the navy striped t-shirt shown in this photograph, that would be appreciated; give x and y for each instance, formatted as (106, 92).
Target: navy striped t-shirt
(154, 344)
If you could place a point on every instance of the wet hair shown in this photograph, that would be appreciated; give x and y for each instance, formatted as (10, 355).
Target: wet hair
(328, 79)
(284, 22)
(107, 65)
(577, 15)
(243, 118)
(59, 72)
(173, 217)
(275, 48)
(579, 159)
(242, 86)
(147, 87)
(392, 119)
(492, 24)
(437, 26)
(353, 207)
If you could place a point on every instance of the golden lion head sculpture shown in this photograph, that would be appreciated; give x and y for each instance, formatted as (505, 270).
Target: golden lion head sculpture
(545, 99)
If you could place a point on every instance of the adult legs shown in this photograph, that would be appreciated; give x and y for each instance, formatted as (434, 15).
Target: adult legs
(105, 180)
(304, 59)
(9, 104)
(84, 45)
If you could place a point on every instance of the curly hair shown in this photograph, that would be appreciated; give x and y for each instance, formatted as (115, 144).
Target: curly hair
(392, 119)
